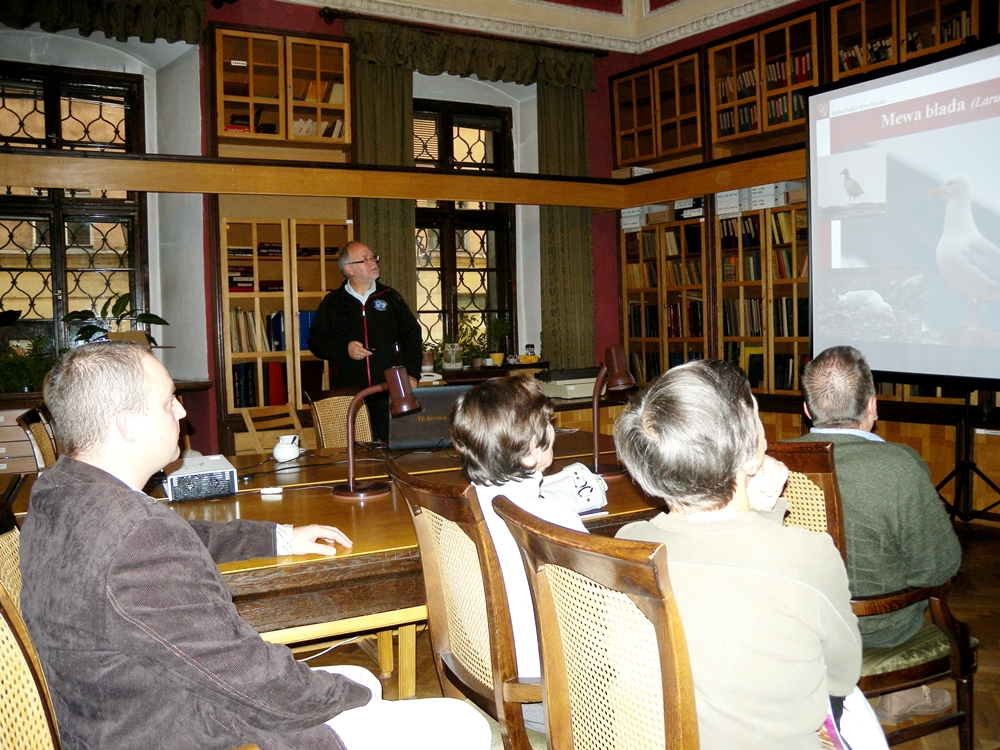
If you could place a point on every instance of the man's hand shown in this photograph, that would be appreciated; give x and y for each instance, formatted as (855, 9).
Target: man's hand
(356, 350)
(765, 486)
(305, 540)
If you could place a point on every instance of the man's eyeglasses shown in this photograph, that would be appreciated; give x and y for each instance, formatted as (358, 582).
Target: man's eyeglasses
(363, 260)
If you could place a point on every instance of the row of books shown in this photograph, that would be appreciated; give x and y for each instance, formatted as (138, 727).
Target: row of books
(785, 321)
(730, 230)
(695, 319)
(323, 129)
(273, 389)
(332, 92)
(784, 265)
(252, 333)
(641, 275)
(879, 50)
(241, 281)
(677, 358)
(274, 249)
(958, 27)
(240, 122)
(643, 320)
(776, 72)
(645, 366)
(732, 88)
(786, 366)
(753, 317)
(682, 274)
(640, 245)
(744, 119)
(785, 229)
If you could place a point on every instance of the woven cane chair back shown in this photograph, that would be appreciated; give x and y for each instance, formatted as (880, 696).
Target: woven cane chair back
(812, 490)
(27, 721)
(330, 420)
(10, 568)
(42, 444)
(266, 423)
(614, 657)
(471, 632)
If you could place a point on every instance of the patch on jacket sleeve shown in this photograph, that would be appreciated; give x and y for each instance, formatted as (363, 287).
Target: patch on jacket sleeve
(380, 305)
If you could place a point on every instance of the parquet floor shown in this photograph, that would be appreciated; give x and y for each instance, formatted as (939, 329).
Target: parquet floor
(975, 599)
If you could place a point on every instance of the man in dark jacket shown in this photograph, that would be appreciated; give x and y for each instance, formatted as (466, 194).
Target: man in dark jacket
(364, 328)
(136, 630)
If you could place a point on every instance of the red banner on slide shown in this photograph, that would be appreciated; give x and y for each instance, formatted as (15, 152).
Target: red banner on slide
(979, 101)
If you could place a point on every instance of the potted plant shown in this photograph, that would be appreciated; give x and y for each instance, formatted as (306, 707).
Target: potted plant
(23, 366)
(473, 340)
(108, 325)
(497, 332)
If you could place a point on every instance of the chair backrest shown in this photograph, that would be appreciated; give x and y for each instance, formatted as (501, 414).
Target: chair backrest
(615, 662)
(42, 443)
(26, 716)
(812, 489)
(330, 420)
(471, 632)
(266, 423)
(10, 568)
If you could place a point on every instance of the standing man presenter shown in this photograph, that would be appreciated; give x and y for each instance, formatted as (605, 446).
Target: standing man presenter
(364, 328)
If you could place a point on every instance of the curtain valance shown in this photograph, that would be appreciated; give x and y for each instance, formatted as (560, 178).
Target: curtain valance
(172, 20)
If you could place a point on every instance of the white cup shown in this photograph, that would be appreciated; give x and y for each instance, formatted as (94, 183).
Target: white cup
(287, 448)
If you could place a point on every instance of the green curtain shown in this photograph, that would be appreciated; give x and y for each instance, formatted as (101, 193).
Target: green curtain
(383, 101)
(172, 20)
(567, 262)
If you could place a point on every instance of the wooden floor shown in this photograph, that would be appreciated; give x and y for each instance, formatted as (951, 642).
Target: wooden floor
(975, 599)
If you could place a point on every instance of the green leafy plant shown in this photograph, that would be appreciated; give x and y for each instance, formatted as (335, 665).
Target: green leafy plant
(497, 332)
(23, 368)
(473, 339)
(114, 313)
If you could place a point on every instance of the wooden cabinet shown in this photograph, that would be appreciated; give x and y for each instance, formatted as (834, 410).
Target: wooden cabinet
(685, 328)
(277, 89)
(928, 26)
(757, 81)
(276, 273)
(863, 36)
(643, 304)
(658, 112)
(762, 268)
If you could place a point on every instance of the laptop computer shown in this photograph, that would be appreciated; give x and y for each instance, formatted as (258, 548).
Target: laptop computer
(430, 427)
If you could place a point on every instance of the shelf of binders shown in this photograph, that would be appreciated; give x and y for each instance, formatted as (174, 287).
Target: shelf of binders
(788, 311)
(928, 26)
(863, 36)
(740, 258)
(787, 67)
(734, 88)
(642, 303)
(277, 272)
(685, 336)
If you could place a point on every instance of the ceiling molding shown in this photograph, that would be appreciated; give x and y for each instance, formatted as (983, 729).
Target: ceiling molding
(640, 29)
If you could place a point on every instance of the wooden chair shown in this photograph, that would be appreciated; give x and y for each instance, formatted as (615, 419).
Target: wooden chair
(266, 423)
(471, 632)
(941, 648)
(26, 718)
(10, 569)
(43, 445)
(614, 657)
(330, 419)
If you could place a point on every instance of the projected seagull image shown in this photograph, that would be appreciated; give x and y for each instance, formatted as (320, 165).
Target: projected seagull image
(968, 261)
(852, 187)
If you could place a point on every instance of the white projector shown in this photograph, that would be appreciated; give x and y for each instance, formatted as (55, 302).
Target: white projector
(201, 477)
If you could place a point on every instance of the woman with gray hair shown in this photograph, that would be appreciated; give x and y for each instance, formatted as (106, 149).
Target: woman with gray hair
(766, 609)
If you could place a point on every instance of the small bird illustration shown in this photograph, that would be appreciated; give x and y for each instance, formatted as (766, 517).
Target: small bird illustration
(968, 261)
(869, 304)
(852, 186)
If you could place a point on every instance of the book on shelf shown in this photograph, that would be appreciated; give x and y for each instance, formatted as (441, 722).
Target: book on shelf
(236, 128)
(239, 250)
(752, 363)
(312, 375)
(271, 285)
(236, 88)
(269, 248)
(670, 244)
(306, 318)
(276, 329)
(335, 93)
(245, 385)
(275, 383)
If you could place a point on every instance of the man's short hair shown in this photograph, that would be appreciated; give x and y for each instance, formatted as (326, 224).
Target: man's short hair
(89, 386)
(344, 256)
(686, 436)
(838, 385)
(496, 424)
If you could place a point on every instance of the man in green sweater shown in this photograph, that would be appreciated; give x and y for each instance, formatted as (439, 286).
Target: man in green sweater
(898, 533)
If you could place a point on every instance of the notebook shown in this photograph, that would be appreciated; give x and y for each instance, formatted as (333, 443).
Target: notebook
(429, 427)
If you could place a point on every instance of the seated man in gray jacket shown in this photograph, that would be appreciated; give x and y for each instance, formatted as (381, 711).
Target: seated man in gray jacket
(898, 533)
(137, 633)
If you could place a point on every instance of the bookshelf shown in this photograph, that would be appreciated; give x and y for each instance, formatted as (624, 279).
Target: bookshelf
(275, 89)
(678, 106)
(788, 308)
(642, 302)
(686, 320)
(276, 272)
(741, 315)
(787, 66)
(732, 73)
(928, 26)
(863, 37)
(635, 134)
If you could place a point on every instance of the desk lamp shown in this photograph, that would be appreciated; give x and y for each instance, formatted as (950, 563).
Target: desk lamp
(401, 401)
(614, 369)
